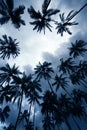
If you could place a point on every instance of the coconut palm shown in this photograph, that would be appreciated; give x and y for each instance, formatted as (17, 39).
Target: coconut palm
(61, 82)
(66, 22)
(48, 109)
(8, 47)
(42, 19)
(8, 12)
(4, 113)
(33, 96)
(65, 107)
(78, 48)
(10, 127)
(66, 66)
(19, 89)
(77, 79)
(44, 71)
(78, 109)
(8, 73)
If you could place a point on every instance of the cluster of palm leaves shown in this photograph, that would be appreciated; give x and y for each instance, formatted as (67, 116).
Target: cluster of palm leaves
(57, 107)
(42, 19)
(8, 47)
(62, 97)
(8, 12)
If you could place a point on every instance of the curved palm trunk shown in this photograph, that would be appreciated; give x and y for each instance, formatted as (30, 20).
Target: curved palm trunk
(29, 112)
(50, 86)
(34, 115)
(15, 127)
(67, 123)
(67, 93)
(76, 123)
(77, 12)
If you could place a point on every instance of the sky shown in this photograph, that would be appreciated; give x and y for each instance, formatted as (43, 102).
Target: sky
(35, 47)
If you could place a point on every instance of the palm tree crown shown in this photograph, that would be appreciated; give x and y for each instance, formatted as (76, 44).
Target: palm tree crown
(8, 12)
(8, 47)
(43, 18)
(78, 48)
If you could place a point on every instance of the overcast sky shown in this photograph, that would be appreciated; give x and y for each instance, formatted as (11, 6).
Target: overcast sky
(37, 47)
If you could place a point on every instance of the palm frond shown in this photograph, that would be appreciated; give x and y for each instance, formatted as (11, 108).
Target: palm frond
(8, 47)
(10, 4)
(33, 13)
(45, 6)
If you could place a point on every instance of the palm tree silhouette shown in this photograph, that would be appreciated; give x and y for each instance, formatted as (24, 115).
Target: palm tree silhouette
(10, 127)
(8, 12)
(8, 73)
(66, 66)
(42, 19)
(33, 97)
(78, 48)
(8, 47)
(65, 107)
(48, 108)
(66, 22)
(61, 82)
(4, 113)
(44, 71)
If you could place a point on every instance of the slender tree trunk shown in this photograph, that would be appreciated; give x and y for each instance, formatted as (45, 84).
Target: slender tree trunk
(77, 12)
(50, 86)
(68, 93)
(84, 85)
(67, 123)
(20, 105)
(76, 123)
(34, 115)
(29, 112)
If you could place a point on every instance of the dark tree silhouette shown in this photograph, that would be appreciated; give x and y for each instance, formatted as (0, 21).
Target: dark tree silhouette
(42, 19)
(26, 92)
(8, 12)
(44, 71)
(78, 48)
(8, 47)
(66, 22)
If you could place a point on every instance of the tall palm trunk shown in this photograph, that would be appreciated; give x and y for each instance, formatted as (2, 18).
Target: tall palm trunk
(76, 123)
(68, 93)
(29, 112)
(20, 105)
(34, 114)
(67, 123)
(50, 86)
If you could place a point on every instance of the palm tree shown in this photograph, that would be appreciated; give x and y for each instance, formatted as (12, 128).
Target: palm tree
(8, 12)
(10, 127)
(65, 22)
(8, 73)
(78, 109)
(33, 97)
(77, 79)
(61, 82)
(42, 19)
(66, 66)
(44, 71)
(4, 113)
(8, 47)
(78, 48)
(20, 88)
(65, 107)
(48, 109)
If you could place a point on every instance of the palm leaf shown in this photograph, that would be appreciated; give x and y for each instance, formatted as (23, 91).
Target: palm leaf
(33, 13)
(45, 6)
(10, 4)
(51, 12)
